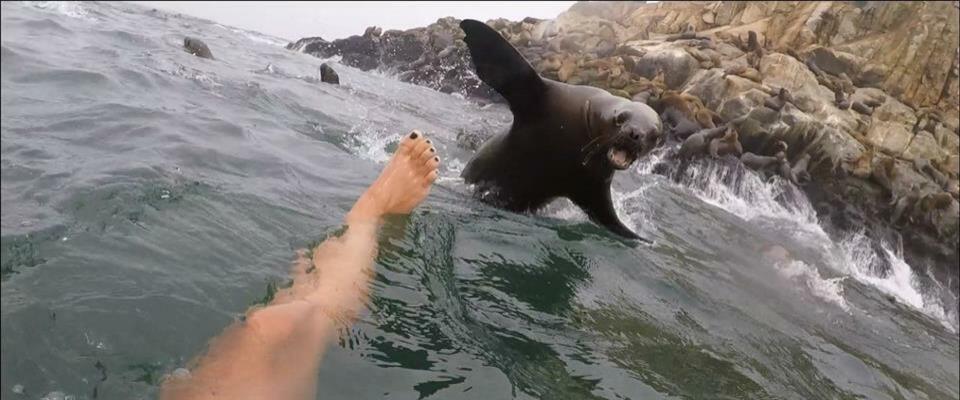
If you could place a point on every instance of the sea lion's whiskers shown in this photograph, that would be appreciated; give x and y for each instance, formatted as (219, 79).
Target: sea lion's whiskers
(594, 146)
(587, 146)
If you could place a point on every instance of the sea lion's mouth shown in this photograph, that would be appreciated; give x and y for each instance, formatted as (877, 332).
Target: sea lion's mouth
(621, 158)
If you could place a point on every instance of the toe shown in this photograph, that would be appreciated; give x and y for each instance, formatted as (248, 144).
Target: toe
(432, 176)
(411, 142)
(432, 163)
(427, 154)
(421, 145)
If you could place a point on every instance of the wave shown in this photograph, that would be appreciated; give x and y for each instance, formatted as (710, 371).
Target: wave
(745, 194)
(256, 36)
(68, 8)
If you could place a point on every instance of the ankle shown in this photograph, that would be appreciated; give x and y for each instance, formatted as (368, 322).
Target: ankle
(366, 210)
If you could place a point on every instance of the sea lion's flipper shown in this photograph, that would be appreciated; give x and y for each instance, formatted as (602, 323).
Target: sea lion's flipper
(502, 67)
(595, 200)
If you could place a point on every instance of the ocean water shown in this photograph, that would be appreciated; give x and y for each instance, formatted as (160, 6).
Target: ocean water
(149, 197)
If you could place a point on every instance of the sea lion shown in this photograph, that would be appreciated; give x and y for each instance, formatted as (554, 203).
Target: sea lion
(565, 140)
(874, 102)
(929, 206)
(846, 84)
(758, 162)
(783, 168)
(884, 173)
(817, 72)
(861, 108)
(744, 72)
(197, 47)
(782, 164)
(328, 75)
(840, 99)
(696, 144)
(927, 120)
(799, 170)
(923, 166)
(682, 114)
(904, 205)
(777, 101)
(728, 144)
(862, 166)
(755, 51)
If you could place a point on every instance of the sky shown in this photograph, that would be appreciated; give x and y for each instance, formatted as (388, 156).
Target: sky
(330, 20)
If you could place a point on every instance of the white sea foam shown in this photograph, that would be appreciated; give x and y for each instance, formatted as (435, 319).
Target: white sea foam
(745, 194)
(69, 8)
(801, 273)
(369, 142)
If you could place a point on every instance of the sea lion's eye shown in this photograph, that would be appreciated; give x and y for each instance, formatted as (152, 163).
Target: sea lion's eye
(622, 117)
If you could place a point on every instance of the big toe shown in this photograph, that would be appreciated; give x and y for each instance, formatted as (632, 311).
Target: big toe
(412, 143)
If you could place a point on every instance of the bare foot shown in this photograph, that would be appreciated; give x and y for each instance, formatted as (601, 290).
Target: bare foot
(402, 185)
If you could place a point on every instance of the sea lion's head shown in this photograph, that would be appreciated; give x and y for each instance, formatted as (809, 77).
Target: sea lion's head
(621, 130)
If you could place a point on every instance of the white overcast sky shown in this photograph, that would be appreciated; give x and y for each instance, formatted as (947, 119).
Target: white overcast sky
(292, 20)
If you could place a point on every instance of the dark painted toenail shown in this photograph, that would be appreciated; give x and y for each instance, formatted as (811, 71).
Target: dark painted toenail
(432, 150)
(437, 159)
(413, 135)
(429, 142)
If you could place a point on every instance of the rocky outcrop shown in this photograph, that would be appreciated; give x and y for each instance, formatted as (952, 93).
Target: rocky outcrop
(434, 56)
(869, 90)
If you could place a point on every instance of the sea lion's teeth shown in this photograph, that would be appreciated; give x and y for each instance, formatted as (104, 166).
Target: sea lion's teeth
(619, 158)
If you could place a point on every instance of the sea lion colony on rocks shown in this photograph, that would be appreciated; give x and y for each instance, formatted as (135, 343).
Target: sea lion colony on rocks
(855, 112)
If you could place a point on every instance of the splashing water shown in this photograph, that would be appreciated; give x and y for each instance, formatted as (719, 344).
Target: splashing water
(184, 186)
(71, 9)
(747, 195)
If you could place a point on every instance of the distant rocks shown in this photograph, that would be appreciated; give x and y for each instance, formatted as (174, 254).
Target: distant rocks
(433, 56)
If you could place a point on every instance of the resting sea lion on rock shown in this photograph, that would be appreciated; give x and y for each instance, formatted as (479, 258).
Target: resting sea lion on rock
(728, 144)
(904, 205)
(777, 101)
(782, 165)
(927, 120)
(197, 47)
(783, 168)
(923, 166)
(328, 75)
(744, 72)
(861, 108)
(758, 162)
(799, 169)
(862, 166)
(683, 114)
(762, 163)
(696, 144)
(817, 72)
(845, 83)
(953, 188)
(565, 140)
(929, 207)
(873, 102)
(840, 99)
(884, 173)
